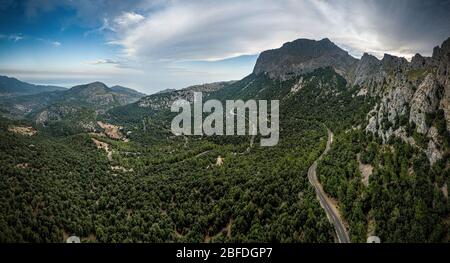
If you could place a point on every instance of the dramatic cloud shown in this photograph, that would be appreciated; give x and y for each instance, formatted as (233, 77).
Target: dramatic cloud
(211, 30)
(157, 44)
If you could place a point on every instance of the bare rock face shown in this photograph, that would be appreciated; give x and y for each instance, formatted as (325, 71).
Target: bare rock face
(298, 86)
(397, 101)
(393, 106)
(433, 152)
(373, 125)
(419, 62)
(369, 67)
(426, 100)
(400, 100)
(22, 130)
(378, 77)
(441, 57)
(408, 91)
(303, 56)
(409, 94)
(393, 63)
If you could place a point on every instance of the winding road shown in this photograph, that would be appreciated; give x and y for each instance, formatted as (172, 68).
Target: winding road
(331, 211)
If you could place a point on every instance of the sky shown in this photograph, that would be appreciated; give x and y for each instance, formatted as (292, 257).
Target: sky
(151, 45)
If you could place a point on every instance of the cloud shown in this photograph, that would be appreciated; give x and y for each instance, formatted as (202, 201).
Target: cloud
(119, 64)
(104, 28)
(52, 43)
(214, 30)
(124, 21)
(104, 61)
(16, 38)
(13, 37)
(128, 19)
(56, 44)
(89, 13)
(173, 43)
(19, 37)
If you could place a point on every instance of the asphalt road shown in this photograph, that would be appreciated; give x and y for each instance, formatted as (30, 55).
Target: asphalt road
(332, 214)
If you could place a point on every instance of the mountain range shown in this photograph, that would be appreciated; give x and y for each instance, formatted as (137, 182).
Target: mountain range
(407, 93)
(44, 105)
(408, 90)
(375, 133)
(15, 87)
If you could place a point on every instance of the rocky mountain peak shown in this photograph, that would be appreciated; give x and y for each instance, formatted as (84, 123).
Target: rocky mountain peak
(441, 59)
(366, 57)
(369, 65)
(303, 56)
(417, 92)
(418, 61)
(444, 49)
(309, 46)
(395, 63)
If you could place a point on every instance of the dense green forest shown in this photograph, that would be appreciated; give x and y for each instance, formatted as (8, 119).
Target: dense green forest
(54, 187)
(404, 201)
(156, 187)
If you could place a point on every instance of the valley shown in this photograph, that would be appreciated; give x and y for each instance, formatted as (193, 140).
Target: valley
(363, 143)
(330, 208)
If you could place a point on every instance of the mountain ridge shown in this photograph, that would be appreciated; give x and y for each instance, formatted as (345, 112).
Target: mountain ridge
(387, 168)
(94, 95)
(10, 86)
(303, 56)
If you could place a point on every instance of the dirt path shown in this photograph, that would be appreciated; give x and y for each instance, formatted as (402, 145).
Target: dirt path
(104, 146)
(365, 169)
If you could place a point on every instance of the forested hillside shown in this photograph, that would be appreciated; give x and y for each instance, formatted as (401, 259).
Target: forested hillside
(109, 171)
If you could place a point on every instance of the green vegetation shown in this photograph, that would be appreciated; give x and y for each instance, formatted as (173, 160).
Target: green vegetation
(54, 187)
(160, 188)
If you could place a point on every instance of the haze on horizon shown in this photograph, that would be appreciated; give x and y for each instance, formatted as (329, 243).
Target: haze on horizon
(155, 45)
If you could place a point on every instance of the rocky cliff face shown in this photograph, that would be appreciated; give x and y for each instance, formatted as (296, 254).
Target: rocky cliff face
(369, 67)
(303, 56)
(425, 101)
(411, 95)
(441, 59)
